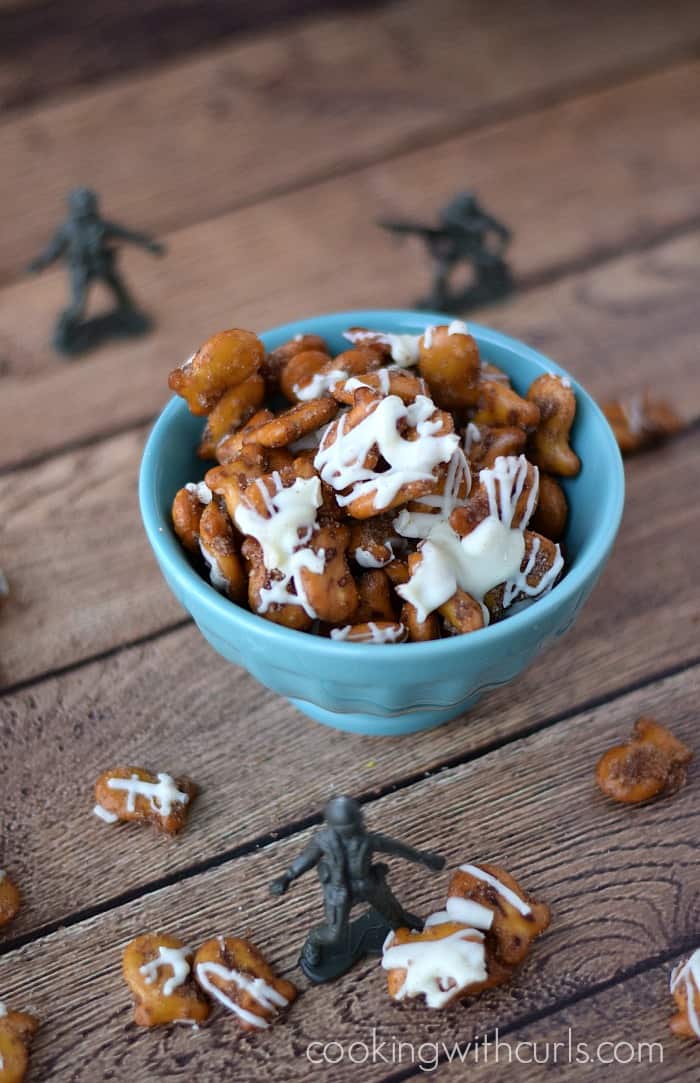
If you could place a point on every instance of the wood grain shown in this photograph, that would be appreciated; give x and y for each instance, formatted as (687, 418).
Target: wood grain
(53, 46)
(531, 807)
(73, 602)
(621, 1030)
(319, 249)
(174, 705)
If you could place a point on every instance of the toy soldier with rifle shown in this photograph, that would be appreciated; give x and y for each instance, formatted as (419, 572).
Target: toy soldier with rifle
(465, 234)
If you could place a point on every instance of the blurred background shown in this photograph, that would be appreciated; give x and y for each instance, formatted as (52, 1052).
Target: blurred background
(261, 142)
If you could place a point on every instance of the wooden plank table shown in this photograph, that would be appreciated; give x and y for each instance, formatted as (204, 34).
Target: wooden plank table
(263, 162)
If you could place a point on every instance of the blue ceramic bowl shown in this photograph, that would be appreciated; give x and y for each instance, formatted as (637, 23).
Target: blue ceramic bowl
(401, 688)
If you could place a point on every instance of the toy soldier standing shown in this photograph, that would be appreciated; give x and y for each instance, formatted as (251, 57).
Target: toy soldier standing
(342, 851)
(85, 243)
(465, 234)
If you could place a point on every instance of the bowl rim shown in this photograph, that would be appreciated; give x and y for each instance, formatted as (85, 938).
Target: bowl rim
(167, 548)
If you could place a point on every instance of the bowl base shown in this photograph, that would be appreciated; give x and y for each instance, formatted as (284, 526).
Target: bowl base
(374, 725)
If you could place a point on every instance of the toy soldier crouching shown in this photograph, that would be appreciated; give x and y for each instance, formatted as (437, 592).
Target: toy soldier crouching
(342, 851)
(85, 243)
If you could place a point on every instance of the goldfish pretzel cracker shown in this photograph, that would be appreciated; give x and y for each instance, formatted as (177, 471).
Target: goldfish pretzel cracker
(475, 891)
(158, 970)
(16, 1032)
(235, 407)
(652, 763)
(132, 793)
(408, 452)
(549, 446)
(235, 974)
(277, 360)
(444, 962)
(224, 361)
(685, 989)
(10, 899)
(642, 421)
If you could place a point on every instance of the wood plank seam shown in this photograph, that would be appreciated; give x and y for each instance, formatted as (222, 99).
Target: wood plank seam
(294, 827)
(527, 283)
(100, 656)
(682, 948)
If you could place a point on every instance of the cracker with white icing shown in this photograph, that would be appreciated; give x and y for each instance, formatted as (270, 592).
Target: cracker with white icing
(158, 970)
(685, 989)
(444, 962)
(234, 974)
(16, 1032)
(135, 794)
(516, 918)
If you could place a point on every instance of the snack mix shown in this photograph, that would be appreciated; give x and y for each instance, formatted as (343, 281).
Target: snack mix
(403, 491)
(475, 943)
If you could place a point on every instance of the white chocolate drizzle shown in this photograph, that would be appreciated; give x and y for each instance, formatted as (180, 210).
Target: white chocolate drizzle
(472, 435)
(510, 896)
(405, 349)
(633, 409)
(266, 995)
(564, 380)
(688, 974)
(396, 633)
(365, 559)
(176, 959)
(489, 555)
(504, 483)
(519, 588)
(216, 576)
(319, 384)
(456, 327)
(465, 911)
(437, 968)
(105, 814)
(284, 536)
(341, 463)
(201, 490)
(161, 795)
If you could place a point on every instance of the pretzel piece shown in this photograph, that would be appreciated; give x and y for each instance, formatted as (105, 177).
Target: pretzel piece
(16, 1032)
(223, 361)
(641, 421)
(517, 918)
(548, 446)
(235, 407)
(158, 970)
(443, 963)
(10, 899)
(234, 973)
(685, 989)
(135, 794)
(651, 764)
